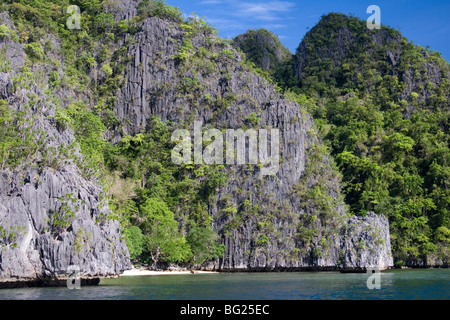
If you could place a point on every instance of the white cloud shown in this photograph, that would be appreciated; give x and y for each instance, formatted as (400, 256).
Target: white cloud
(226, 24)
(274, 26)
(260, 10)
(268, 11)
(232, 17)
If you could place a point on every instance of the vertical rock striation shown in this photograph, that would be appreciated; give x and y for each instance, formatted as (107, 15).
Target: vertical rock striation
(259, 220)
(52, 214)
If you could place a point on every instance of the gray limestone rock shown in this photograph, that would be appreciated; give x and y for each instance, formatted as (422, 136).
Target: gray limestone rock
(55, 216)
(366, 242)
(152, 88)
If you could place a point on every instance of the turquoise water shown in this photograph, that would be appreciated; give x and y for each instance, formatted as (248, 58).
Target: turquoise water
(394, 285)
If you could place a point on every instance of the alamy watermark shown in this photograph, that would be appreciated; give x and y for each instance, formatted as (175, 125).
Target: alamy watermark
(74, 279)
(237, 143)
(374, 21)
(74, 21)
(374, 280)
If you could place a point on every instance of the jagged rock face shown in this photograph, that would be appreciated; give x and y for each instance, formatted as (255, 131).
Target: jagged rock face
(363, 242)
(267, 239)
(51, 217)
(55, 216)
(5, 85)
(30, 200)
(366, 241)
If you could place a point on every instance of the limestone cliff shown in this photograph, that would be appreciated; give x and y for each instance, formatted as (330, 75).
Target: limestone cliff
(52, 214)
(381, 73)
(53, 210)
(338, 40)
(265, 223)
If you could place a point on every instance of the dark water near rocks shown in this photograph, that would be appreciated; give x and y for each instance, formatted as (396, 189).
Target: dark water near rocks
(395, 285)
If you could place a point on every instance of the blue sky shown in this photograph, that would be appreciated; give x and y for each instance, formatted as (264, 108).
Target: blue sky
(423, 22)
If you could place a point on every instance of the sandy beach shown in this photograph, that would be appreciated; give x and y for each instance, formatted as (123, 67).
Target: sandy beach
(140, 272)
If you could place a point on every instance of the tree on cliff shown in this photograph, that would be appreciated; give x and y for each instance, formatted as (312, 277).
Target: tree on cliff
(162, 239)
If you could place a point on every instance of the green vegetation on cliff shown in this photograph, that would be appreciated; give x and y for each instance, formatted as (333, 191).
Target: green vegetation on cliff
(161, 193)
(166, 191)
(382, 106)
(264, 49)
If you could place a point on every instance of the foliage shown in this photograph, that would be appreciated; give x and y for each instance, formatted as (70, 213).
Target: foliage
(63, 218)
(253, 119)
(203, 243)
(171, 201)
(35, 51)
(9, 235)
(162, 239)
(166, 189)
(264, 49)
(5, 33)
(135, 241)
(88, 129)
(106, 69)
(81, 240)
(158, 8)
(392, 150)
(17, 142)
(390, 146)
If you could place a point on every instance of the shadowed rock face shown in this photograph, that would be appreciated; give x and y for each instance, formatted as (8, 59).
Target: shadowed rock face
(51, 217)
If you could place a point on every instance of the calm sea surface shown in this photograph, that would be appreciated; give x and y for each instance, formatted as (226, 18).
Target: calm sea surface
(395, 284)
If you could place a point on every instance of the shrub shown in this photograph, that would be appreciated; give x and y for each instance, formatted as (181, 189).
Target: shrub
(253, 119)
(88, 129)
(34, 51)
(123, 26)
(5, 33)
(135, 241)
(203, 242)
(162, 240)
(228, 53)
(106, 69)
(160, 9)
